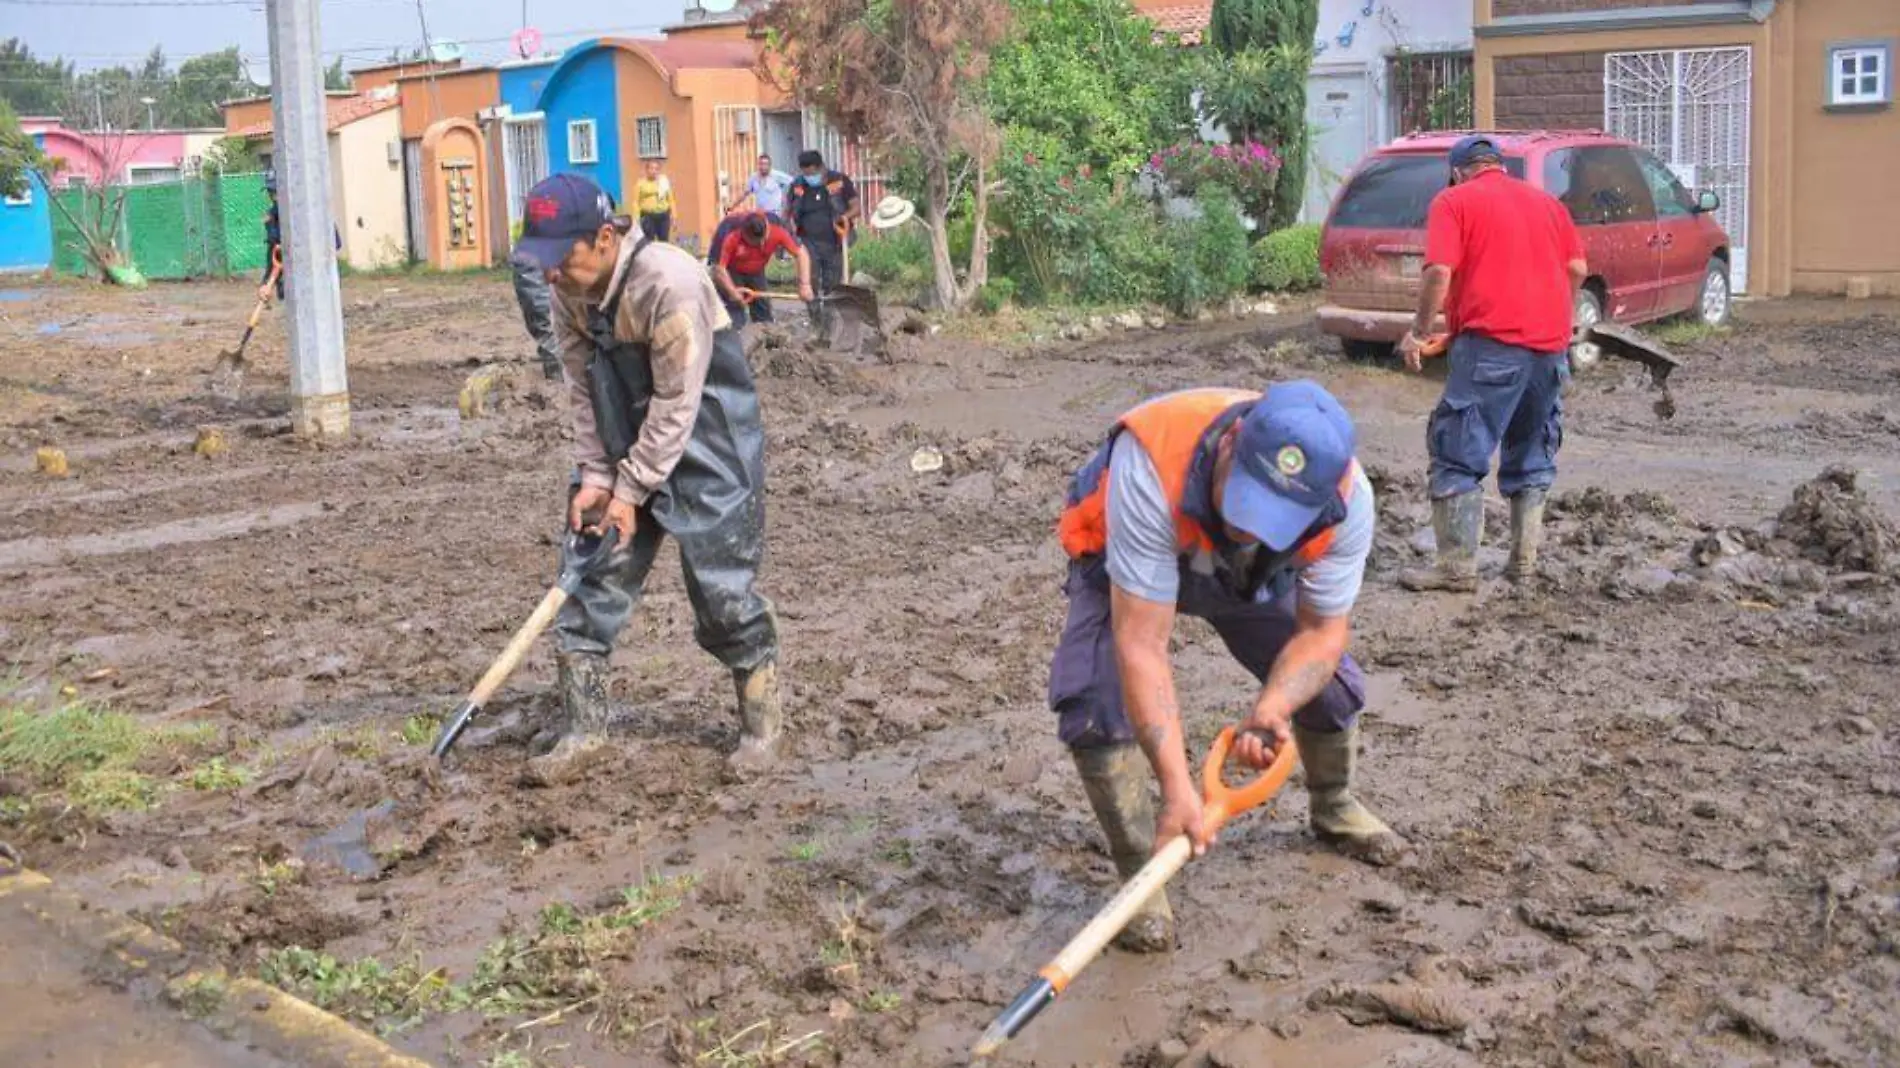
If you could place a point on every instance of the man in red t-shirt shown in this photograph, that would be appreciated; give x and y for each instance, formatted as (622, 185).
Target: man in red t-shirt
(739, 270)
(1504, 261)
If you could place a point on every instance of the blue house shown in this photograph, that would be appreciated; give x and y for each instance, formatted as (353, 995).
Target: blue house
(26, 230)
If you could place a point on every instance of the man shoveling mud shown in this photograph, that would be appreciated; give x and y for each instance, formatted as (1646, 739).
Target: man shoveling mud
(1504, 260)
(1247, 510)
(667, 440)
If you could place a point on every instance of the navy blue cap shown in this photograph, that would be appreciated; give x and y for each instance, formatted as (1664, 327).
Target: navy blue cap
(1471, 149)
(1294, 447)
(559, 211)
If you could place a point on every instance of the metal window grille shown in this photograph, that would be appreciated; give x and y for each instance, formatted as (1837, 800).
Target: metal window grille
(649, 135)
(1691, 108)
(581, 143)
(1429, 91)
(524, 156)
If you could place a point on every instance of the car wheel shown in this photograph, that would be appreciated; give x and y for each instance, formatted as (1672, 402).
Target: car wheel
(1713, 304)
(1584, 314)
(1377, 353)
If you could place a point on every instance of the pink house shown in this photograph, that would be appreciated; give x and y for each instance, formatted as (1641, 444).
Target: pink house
(131, 156)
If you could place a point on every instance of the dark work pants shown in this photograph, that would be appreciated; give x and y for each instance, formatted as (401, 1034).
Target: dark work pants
(1497, 397)
(1085, 687)
(531, 292)
(759, 311)
(658, 226)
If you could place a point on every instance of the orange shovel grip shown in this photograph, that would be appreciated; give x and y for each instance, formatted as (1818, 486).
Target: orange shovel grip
(1220, 802)
(1434, 345)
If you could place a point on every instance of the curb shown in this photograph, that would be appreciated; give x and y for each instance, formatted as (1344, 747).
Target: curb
(235, 1009)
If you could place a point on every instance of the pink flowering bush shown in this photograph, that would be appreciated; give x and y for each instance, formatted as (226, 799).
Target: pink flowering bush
(1248, 169)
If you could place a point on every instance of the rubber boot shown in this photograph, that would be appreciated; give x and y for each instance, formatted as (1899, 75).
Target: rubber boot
(1527, 533)
(583, 727)
(1458, 524)
(1116, 780)
(1337, 817)
(761, 722)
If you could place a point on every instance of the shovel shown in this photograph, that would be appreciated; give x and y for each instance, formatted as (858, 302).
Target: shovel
(231, 361)
(586, 554)
(1220, 805)
(1612, 339)
(849, 309)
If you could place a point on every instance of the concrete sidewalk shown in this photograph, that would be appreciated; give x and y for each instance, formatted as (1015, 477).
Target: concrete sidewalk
(85, 987)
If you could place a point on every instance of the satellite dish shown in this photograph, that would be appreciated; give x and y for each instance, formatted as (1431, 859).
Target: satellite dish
(445, 51)
(527, 42)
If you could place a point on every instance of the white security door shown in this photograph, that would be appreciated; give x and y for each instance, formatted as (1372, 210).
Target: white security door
(1691, 108)
(524, 159)
(1340, 123)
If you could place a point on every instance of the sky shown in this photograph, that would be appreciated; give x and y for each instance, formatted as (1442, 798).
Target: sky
(106, 33)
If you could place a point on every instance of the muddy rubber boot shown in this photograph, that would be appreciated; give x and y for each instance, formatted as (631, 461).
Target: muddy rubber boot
(1337, 817)
(761, 722)
(1116, 780)
(1458, 525)
(1527, 534)
(583, 727)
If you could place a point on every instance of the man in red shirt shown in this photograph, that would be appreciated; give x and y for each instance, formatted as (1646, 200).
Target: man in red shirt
(739, 270)
(1504, 261)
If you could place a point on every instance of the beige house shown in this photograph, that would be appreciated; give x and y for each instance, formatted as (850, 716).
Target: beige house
(366, 180)
(1784, 108)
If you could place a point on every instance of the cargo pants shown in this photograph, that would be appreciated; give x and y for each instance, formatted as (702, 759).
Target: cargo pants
(1497, 397)
(532, 293)
(1085, 686)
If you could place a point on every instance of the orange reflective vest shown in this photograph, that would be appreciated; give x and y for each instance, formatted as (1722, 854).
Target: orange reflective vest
(1170, 429)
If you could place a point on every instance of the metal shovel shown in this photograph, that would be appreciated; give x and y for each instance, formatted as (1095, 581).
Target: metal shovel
(231, 361)
(1220, 805)
(585, 554)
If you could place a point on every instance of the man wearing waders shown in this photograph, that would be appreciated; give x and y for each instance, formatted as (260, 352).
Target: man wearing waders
(1247, 510)
(667, 441)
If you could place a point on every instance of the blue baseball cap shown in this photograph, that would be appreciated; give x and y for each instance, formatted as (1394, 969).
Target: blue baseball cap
(1294, 447)
(559, 211)
(1471, 149)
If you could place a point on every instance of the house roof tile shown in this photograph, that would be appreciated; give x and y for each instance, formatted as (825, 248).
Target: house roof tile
(341, 111)
(1189, 20)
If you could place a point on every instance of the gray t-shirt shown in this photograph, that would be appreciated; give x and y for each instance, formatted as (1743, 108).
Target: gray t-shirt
(1143, 558)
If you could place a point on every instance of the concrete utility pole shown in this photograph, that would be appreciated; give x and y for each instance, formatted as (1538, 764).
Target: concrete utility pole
(319, 388)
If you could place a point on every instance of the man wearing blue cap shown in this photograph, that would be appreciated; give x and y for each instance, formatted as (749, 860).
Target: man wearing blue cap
(1503, 259)
(1247, 510)
(667, 441)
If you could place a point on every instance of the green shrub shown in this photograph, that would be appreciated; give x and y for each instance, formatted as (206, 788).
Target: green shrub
(900, 259)
(1288, 260)
(995, 293)
(1208, 254)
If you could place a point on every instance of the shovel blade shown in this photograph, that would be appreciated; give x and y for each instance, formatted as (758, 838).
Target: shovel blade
(850, 314)
(1620, 341)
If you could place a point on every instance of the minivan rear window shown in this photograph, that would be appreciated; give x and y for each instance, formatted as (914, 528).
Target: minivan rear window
(1393, 192)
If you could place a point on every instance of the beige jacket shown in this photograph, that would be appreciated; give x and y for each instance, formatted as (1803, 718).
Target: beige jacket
(670, 305)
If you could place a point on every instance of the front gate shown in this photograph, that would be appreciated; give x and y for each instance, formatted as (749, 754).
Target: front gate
(524, 159)
(1691, 108)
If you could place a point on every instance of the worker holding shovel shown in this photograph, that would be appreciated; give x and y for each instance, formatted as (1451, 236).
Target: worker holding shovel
(739, 268)
(1247, 510)
(667, 441)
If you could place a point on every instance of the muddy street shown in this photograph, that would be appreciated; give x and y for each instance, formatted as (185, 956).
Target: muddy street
(1655, 808)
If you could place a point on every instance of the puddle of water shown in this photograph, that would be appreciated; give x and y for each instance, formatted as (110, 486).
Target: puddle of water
(48, 329)
(40, 551)
(347, 846)
(14, 296)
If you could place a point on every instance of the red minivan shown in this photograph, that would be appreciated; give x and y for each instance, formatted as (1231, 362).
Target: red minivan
(1654, 248)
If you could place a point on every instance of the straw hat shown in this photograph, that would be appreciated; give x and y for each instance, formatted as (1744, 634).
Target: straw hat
(891, 212)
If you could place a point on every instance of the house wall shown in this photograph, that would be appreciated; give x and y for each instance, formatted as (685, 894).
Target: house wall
(453, 246)
(705, 91)
(520, 84)
(363, 81)
(1845, 220)
(584, 88)
(368, 191)
(26, 231)
(644, 90)
(246, 113)
(460, 94)
(1562, 90)
(89, 155)
(1565, 7)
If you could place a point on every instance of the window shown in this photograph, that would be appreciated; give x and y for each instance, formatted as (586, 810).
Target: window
(1859, 74)
(25, 197)
(581, 146)
(1672, 200)
(150, 173)
(1394, 192)
(1600, 185)
(649, 136)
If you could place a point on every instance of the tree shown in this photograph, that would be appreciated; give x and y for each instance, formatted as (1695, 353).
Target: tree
(904, 78)
(33, 86)
(334, 76)
(1087, 78)
(204, 82)
(19, 154)
(1261, 92)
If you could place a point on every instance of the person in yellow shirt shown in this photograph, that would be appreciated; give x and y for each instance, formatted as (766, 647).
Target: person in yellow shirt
(653, 199)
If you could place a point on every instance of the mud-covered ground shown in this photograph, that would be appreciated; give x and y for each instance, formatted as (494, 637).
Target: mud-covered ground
(1656, 809)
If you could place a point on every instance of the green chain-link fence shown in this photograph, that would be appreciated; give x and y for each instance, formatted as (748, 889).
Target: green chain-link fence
(193, 228)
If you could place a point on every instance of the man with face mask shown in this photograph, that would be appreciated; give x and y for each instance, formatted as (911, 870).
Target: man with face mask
(667, 441)
(823, 205)
(1504, 261)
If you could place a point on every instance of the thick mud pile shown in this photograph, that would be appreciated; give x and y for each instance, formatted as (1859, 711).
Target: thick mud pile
(1652, 797)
